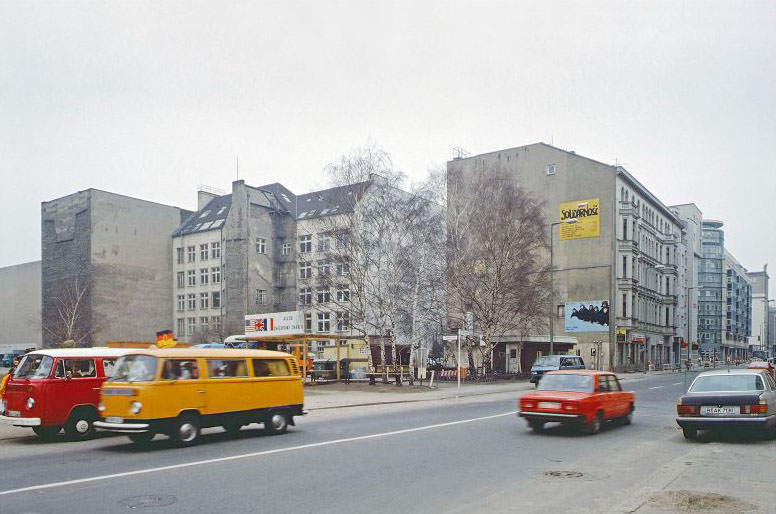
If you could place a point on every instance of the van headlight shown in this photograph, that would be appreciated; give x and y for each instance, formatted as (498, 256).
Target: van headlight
(30, 403)
(101, 407)
(135, 408)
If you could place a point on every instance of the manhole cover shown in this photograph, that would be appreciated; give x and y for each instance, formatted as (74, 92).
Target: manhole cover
(148, 500)
(564, 474)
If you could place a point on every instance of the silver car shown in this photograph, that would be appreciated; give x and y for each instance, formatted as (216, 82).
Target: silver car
(728, 398)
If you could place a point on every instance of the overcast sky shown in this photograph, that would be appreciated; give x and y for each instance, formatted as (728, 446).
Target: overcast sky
(151, 99)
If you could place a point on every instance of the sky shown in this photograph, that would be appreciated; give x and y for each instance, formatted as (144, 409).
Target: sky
(153, 98)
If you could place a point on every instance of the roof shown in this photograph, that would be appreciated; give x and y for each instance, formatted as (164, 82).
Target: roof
(284, 198)
(735, 371)
(211, 217)
(335, 200)
(82, 352)
(207, 352)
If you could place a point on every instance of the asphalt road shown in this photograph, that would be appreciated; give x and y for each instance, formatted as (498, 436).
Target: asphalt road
(466, 455)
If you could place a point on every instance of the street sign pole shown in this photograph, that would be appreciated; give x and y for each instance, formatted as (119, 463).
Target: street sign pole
(458, 371)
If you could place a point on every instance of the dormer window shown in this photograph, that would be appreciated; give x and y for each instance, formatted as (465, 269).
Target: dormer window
(550, 169)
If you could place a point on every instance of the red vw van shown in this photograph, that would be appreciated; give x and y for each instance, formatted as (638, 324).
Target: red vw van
(57, 388)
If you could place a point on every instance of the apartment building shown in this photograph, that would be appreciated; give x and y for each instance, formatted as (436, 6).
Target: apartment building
(633, 262)
(737, 310)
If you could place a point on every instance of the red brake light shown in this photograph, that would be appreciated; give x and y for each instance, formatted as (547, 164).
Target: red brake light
(688, 410)
(755, 409)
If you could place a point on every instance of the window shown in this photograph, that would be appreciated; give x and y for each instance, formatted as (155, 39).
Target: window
(286, 249)
(324, 322)
(204, 300)
(215, 250)
(192, 277)
(625, 228)
(191, 252)
(305, 270)
(625, 306)
(549, 169)
(77, 368)
(343, 294)
(203, 252)
(270, 368)
(306, 243)
(179, 369)
(261, 245)
(181, 302)
(323, 268)
(203, 323)
(343, 239)
(323, 295)
(181, 280)
(204, 276)
(624, 266)
(179, 255)
(192, 301)
(305, 296)
(107, 366)
(223, 368)
(308, 322)
(343, 321)
(668, 321)
(343, 269)
(324, 242)
(215, 321)
(215, 296)
(191, 325)
(181, 325)
(261, 297)
(215, 275)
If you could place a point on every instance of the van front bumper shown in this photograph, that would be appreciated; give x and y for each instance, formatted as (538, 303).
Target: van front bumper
(124, 428)
(20, 422)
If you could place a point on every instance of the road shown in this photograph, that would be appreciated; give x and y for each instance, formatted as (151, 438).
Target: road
(456, 455)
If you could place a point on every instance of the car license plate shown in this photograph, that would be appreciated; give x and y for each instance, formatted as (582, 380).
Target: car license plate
(114, 419)
(725, 410)
(14, 413)
(549, 405)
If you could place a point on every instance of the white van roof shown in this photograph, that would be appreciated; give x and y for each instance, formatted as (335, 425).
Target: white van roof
(83, 352)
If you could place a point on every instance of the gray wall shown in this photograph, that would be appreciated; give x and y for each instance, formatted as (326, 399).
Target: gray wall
(20, 304)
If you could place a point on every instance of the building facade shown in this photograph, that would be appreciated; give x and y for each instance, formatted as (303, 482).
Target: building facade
(105, 267)
(761, 327)
(687, 294)
(632, 262)
(737, 309)
(20, 303)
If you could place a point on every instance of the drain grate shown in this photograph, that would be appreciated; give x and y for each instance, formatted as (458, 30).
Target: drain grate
(564, 474)
(148, 500)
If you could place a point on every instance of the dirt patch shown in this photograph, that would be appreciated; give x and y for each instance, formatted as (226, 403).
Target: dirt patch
(693, 501)
(564, 474)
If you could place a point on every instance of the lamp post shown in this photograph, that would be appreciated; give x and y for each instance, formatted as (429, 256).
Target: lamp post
(552, 291)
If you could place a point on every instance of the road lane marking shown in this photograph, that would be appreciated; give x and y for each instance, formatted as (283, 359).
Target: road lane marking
(677, 383)
(656, 387)
(248, 455)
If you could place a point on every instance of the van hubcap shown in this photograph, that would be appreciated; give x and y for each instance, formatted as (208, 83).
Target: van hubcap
(82, 426)
(187, 432)
(278, 420)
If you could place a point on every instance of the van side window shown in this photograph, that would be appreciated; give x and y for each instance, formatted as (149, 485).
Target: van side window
(226, 368)
(178, 369)
(77, 368)
(270, 368)
(603, 384)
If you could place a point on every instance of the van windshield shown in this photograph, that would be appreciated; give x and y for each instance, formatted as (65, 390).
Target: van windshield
(546, 361)
(34, 367)
(134, 368)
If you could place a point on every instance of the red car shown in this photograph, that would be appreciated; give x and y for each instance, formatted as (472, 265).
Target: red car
(580, 397)
(52, 389)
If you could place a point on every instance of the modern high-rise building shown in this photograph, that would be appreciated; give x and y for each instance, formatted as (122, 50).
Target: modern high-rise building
(711, 282)
(761, 326)
(737, 309)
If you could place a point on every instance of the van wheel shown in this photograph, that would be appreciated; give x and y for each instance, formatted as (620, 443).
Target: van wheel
(141, 437)
(275, 423)
(46, 432)
(185, 430)
(80, 425)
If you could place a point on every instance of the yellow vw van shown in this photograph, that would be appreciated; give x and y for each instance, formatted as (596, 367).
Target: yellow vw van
(179, 391)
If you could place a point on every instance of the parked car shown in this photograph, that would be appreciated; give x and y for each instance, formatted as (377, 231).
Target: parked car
(738, 398)
(766, 365)
(583, 397)
(554, 363)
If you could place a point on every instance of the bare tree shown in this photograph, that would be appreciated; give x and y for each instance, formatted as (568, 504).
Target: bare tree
(381, 238)
(71, 321)
(496, 267)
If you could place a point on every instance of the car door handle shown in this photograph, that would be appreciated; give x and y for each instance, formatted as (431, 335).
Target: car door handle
(201, 392)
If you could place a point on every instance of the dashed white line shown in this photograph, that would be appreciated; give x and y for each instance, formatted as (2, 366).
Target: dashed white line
(677, 383)
(247, 455)
(656, 387)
